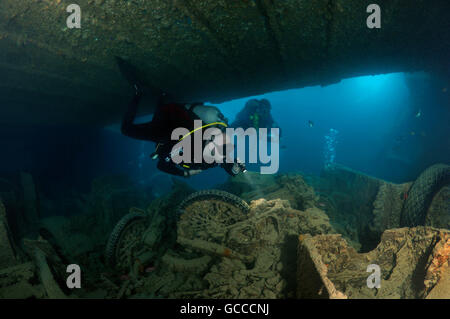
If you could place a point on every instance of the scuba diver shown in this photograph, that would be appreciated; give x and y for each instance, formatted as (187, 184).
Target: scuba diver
(256, 113)
(169, 116)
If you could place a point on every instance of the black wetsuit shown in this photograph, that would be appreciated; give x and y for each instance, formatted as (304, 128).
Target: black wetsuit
(166, 118)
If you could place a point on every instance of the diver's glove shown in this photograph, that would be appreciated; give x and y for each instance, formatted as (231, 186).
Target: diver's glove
(239, 168)
(235, 168)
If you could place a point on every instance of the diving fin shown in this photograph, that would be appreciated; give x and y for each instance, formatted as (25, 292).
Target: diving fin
(136, 80)
(129, 72)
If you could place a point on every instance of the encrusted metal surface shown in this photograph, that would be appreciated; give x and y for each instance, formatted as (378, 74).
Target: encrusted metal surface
(211, 50)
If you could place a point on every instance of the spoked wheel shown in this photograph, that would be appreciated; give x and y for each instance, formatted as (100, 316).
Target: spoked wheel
(125, 241)
(207, 214)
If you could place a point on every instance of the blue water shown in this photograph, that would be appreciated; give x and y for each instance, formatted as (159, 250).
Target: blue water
(379, 134)
(362, 109)
(370, 113)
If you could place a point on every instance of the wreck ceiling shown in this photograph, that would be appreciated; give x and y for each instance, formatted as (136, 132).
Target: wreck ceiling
(211, 50)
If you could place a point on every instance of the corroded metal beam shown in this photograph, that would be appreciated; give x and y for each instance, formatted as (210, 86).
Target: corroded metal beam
(212, 50)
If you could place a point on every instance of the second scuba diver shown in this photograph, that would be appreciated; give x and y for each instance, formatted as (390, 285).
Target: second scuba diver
(257, 114)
